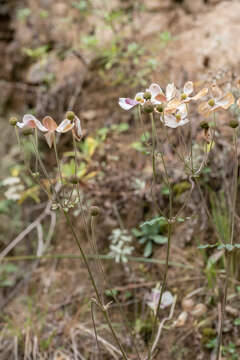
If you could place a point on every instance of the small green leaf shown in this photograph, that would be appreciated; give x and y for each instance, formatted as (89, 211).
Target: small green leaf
(143, 240)
(237, 321)
(136, 232)
(160, 220)
(229, 247)
(221, 246)
(158, 239)
(205, 246)
(148, 249)
(237, 246)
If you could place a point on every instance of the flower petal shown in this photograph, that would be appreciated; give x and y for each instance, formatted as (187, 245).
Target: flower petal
(172, 106)
(49, 123)
(171, 91)
(170, 121)
(127, 103)
(77, 129)
(204, 109)
(188, 88)
(226, 101)
(238, 103)
(203, 92)
(65, 126)
(154, 89)
(216, 91)
(49, 138)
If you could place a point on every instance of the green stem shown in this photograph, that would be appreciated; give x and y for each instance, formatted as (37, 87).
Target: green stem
(94, 284)
(229, 255)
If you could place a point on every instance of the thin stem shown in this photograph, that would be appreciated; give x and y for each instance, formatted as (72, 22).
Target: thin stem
(57, 159)
(229, 254)
(94, 284)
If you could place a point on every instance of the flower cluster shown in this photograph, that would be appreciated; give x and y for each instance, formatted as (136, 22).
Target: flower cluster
(172, 105)
(120, 246)
(48, 126)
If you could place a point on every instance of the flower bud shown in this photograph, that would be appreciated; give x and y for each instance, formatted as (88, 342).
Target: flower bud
(70, 115)
(211, 102)
(147, 95)
(35, 175)
(160, 108)
(74, 179)
(94, 211)
(148, 107)
(204, 125)
(233, 123)
(27, 131)
(13, 121)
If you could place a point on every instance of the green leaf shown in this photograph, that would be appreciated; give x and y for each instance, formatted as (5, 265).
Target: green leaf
(221, 246)
(204, 246)
(229, 247)
(159, 239)
(143, 240)
(160, 220)
(136, 232)
(237, 246)
(145, 136)
(237, 321)
(148, 249)
(165, 190)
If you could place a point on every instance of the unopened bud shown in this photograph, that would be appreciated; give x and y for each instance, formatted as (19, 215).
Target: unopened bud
(70, 115)
(35, 175)
(148, 107)
(13, 121)
(211, 102)
(27, 131)
(233, 123)
(94, 211)
(74, 179)
(147, 95)
(204, 125)
(160, 108)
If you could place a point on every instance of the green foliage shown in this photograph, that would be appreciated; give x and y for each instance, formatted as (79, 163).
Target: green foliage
(8, 274)
(229, 351)
(151, 232)
(141, 144)
(23, 13)
(36, 53)
(220, 213)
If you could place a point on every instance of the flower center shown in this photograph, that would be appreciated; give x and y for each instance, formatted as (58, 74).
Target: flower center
(183, 96)
(211, 102)
(178, 117)
(139, 99)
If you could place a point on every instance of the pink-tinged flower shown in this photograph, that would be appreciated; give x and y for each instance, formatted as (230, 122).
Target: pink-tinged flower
(217, 102)
(127, 103)
(77, 129)
(158, 96)
(50, 126)
(188, 90)
(31, 121)
(238, 103)
(176, 118)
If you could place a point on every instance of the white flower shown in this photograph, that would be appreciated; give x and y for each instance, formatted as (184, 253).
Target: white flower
(31, 121)
(153, 299)
(217, 102)
(12, 180)
(177, 118)
(158, 96)
(188, 90)
(14, 192)
(50, 126)
(127, 103)
(120, 247)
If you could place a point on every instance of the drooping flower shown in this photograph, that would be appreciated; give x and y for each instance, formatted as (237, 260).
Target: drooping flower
(50, 127)
(188, 90)
(154, 296)
(216, 102)
(177, 118)
(77, 129)
(31, 121)
(128, 103)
